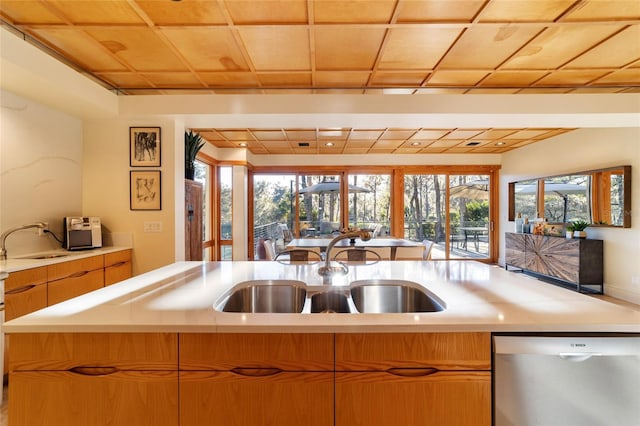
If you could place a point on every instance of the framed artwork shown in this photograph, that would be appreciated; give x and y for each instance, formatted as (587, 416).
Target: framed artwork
(144, 146)
(145, 190)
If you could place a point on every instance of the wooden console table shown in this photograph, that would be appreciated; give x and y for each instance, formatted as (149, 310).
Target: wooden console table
(577, 262)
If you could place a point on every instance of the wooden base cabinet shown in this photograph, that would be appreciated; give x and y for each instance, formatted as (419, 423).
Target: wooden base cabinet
(574, 262)
(118, 379)
(413, 379)
(71, 279)
(280, 379)
(228, 398)
(117, 266)
(122, 398)
(386, 398)
(256, 379)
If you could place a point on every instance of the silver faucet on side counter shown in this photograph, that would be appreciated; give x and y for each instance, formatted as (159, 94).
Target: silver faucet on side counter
(5, 234)
(327, 271)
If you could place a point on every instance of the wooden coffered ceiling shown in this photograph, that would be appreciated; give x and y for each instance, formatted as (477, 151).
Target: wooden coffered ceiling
(364, 47)
(376, 141)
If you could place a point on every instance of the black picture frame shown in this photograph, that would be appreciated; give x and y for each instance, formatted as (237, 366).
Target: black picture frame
(145, 147)
(145, 191)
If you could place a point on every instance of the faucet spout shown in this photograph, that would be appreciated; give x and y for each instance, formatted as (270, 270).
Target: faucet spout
(5, 234)
(327, 270)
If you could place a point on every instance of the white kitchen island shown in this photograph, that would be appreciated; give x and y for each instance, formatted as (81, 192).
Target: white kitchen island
(152, 350)
(478, 297)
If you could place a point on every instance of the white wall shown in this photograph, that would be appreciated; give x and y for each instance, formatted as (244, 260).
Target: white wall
(40, 171)
(587, 149)
(106, 187)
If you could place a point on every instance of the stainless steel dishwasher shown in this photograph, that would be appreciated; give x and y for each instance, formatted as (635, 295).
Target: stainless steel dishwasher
(567, 381)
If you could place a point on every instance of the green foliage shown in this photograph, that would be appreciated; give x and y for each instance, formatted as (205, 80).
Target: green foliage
(477, 212)
(193, 142)
(580, 225)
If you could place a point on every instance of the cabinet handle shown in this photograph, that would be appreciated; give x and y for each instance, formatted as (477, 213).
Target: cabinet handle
(78, 274)
(20, 289)
(412, 372)
(115, 265)
(256, 372)
(94, 371)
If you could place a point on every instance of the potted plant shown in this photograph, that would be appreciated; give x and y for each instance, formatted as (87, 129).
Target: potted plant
(192, 144)
(569, 230)
(579, 227)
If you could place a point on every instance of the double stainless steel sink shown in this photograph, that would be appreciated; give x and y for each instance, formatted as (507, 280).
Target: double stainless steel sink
(363, 296)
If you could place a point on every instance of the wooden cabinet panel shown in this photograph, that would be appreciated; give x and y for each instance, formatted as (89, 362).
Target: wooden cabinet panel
(193, 199)
(514, 249)
(63, 270)
(574, 261)
(78, 283)
(444, 351)
(23, 300)
(125, 351)
(28, 277)
(228, 399)
(447, 398)
(117, 267)
(123, 398)
(292, 352)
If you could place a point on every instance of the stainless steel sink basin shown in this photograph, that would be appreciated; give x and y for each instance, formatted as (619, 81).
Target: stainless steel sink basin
(364, 296)
(330, 302)
(44, 256)
(393, 296)
(266, 296)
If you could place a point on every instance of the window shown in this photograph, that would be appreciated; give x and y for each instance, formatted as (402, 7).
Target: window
(370, 203)
(274, 210)
(203, 175)
(225, 177)
(319, 205)
(461, 233)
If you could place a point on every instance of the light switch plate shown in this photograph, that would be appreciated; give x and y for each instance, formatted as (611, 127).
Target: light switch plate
(152, 226)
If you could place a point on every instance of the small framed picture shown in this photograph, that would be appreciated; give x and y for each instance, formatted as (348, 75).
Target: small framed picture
(144, 146)
(145, 190)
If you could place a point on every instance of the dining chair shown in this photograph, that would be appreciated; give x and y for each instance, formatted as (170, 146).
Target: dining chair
(410, 253)
(299, 255)
(269, 250)
(358, 255)
(428, 246)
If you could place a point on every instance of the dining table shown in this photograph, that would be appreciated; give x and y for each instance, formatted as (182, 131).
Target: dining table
(322, 243)
(473, 233)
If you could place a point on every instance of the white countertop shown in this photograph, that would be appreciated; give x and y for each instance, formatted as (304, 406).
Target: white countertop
(27, 261)
(479, 297)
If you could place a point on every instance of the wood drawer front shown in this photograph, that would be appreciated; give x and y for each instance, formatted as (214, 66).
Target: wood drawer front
(27, 277)
(288, 352)
(67, 269)
(111, 259)
(67, 288)
(124, 351)
(225, 399)
(382, 399)
(118, 272)
(57, 398)
(23, 300)
(382, 351)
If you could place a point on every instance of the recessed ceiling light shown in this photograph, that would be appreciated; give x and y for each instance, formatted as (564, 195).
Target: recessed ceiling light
(242, 144)
(328, 144)
(415, 143)
(500, 143)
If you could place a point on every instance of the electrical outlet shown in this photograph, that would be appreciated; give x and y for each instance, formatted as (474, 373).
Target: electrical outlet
(41, 230)
(152, 226)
